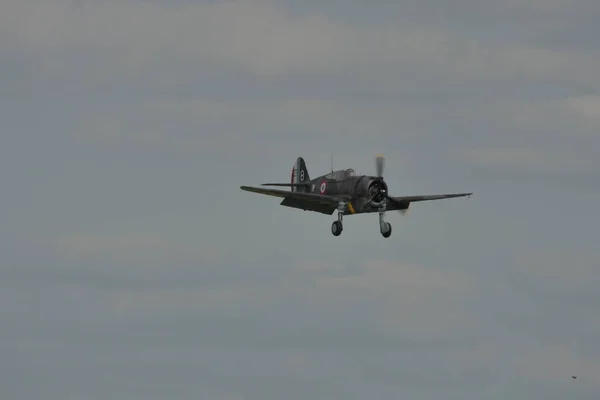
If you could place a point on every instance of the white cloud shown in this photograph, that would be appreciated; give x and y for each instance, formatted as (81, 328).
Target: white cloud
(149, 250)
(416, 300)
(565, 269)
(534, 159)
(519, 117)
(92, 244)
(559, 362)
(556, 135)
(398, 279)
(587, 106)
(246, 129)
(139, 44)
(166, 301)
(254, 34)
(541, 7)
(112, 40)
(250, 77)
(252, 129)
(412, 298)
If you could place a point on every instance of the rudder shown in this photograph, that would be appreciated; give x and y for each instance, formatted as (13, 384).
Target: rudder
(299, 175)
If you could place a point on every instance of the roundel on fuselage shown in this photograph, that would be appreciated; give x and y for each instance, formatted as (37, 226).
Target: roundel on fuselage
(323, 187)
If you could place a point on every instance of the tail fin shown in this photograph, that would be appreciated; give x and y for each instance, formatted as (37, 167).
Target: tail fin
(300, 180)
(300, 176)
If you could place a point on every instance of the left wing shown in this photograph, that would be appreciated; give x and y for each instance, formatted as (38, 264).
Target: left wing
(296, 185)
(306, 201)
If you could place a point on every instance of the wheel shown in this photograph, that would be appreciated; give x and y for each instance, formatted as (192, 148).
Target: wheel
(336, 228)
(386, 229)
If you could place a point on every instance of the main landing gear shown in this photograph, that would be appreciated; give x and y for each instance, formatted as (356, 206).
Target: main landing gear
(384, 227)
(337, 227)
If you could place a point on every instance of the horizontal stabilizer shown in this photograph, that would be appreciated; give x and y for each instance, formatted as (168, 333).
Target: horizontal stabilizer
(287, 184)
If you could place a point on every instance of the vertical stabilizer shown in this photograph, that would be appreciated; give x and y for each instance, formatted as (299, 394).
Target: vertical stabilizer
(299, 175)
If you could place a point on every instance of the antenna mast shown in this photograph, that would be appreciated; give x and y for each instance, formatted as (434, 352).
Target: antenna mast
(331, 161)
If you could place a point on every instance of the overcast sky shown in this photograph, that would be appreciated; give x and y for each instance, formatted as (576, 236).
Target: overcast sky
(133, 266)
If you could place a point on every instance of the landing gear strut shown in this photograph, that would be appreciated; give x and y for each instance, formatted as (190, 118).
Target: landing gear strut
(337, 226)
(384, 227)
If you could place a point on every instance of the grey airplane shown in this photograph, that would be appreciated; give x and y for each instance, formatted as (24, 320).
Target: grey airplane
(344, 191)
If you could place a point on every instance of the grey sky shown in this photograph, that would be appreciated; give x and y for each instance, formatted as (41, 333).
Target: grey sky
(134, 267)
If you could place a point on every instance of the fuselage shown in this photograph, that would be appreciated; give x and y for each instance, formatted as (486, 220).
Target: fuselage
(345, 183)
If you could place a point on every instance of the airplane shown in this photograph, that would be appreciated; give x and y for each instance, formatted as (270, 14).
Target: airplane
(344, 191)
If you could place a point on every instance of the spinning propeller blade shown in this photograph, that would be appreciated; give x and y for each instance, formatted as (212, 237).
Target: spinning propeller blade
(379, 164)
(379, 167)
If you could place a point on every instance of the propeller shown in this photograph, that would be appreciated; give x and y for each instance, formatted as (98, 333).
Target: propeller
(379, 167)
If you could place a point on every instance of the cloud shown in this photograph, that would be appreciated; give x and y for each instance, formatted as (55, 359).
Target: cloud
(543, 8)
(398, 296)
(168, 301)
(560, 362)
(398, 280)
(133, 266)
(306, 67)
(566, 270)
(553, 136)
(257, 35)
(402, 296)
(114, 40)
(410, 298)
(91, 244)
(244, 129)
(587, 106)
(529, 159)
(144, 248)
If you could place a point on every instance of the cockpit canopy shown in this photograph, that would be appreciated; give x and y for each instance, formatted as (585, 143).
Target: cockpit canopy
(340, 174)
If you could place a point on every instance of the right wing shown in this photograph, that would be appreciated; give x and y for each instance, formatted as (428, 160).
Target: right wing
(412, 199)
(306, 201)
(402, 203)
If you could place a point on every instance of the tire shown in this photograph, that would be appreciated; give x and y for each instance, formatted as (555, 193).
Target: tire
(386, 230)
(336, 228)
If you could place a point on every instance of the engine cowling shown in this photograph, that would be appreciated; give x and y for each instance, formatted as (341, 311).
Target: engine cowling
(377, 192)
